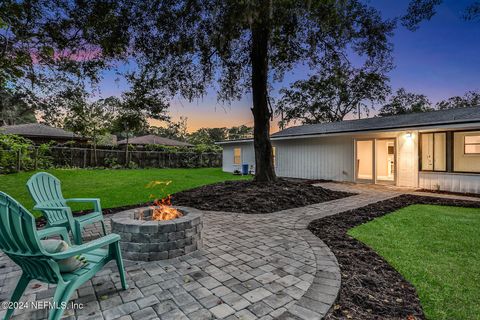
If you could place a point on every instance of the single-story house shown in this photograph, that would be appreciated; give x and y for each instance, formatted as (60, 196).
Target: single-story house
(40, 133)
(438, 150)
(153, 139)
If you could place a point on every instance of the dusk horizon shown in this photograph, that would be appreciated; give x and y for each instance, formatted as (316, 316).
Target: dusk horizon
(440, 60)
(256, 159)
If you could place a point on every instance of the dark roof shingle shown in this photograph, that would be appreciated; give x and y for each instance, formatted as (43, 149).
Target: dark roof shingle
(38, 130)
(153, 139)
(449, 116)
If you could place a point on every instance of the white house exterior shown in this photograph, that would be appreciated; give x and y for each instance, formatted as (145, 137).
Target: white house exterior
(437, 150)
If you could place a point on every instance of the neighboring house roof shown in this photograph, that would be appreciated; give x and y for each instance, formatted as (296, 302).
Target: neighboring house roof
(39, 130)
(153, 139)
(411, 120)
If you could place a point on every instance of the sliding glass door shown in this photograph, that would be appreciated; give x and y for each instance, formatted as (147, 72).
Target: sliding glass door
(364, 160)
(375, 161)
(385, 161)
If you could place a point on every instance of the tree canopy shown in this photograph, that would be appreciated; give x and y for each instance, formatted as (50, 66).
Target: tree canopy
(403, 102)
(185, 47)
(421, 10)
(241, 46)
(176, 130)
(470, 99)
(89, 119)
(17, 106)
(209, 136)
(332, 94)
(46, 42)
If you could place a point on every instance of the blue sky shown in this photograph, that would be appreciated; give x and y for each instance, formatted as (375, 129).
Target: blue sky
(441, 59)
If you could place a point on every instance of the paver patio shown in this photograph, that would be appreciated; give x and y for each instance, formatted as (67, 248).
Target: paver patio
(251, 267)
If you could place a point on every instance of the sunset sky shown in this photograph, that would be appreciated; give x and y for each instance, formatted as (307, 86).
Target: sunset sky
(441, 59)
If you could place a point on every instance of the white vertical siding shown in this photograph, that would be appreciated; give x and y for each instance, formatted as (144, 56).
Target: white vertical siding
(331, 157)
(455, 182)
(407, 159)
(315, 158)
(227, 158)
(248, 156)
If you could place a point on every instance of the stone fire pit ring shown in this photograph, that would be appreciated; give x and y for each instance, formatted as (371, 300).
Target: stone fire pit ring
(148, 240)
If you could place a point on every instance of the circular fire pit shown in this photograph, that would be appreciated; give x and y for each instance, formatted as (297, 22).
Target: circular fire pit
(148, 240)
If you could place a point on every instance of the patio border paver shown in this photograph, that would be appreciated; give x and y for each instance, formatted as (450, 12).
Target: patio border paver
(323, 291)
(255, 266)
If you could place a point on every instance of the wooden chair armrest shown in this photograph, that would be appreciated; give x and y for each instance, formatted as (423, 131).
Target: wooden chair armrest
(86, 247)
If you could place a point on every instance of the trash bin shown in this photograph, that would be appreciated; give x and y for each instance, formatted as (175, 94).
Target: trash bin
(244, 169)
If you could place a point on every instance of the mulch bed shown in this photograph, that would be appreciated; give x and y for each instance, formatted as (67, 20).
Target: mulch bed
(463, 194)
(243, 196)
(371, 288)
(255, 197)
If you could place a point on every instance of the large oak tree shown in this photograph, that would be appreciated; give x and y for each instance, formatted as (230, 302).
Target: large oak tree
(335, 92)
(241, 46)
(187, 46)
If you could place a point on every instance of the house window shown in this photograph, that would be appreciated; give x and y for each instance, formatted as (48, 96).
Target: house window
(466, 151)
(433, 151)
(274, 156)
(237, 155)
(472, 144)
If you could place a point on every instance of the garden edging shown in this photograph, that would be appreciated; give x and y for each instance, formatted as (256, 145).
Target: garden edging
(323, 291)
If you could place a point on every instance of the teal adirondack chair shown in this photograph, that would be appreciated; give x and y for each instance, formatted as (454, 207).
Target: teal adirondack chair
(20, 241)
(46, 191)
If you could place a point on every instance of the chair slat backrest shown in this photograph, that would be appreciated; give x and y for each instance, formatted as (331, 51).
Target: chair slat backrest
(46, 191)
(19, 240)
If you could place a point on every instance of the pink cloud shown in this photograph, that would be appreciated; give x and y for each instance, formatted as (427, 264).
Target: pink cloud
(78, 56)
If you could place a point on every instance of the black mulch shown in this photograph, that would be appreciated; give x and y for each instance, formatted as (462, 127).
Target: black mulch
(463, 194)
(255, 197)
(243, 196)
(371, 288)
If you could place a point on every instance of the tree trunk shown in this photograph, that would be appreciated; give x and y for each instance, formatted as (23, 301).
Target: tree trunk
(264, 168)
(127, 163)
(95, 147)
(95, 153)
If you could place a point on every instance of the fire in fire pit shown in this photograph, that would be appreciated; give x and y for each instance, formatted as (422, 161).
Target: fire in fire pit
(143, 238)
(161, 210)
(160, 231)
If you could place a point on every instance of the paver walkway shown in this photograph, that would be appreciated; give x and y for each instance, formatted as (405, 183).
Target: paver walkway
(251, 267)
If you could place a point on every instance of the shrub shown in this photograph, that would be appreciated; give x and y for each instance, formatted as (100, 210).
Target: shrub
(111, 161)
(10, 147)
(13, 146)
(132, 165)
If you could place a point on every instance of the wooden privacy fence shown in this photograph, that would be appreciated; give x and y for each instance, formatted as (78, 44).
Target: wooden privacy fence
(85, 158)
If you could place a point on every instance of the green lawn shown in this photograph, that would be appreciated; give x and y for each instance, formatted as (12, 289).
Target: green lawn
(437, 249)
(117, 187)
